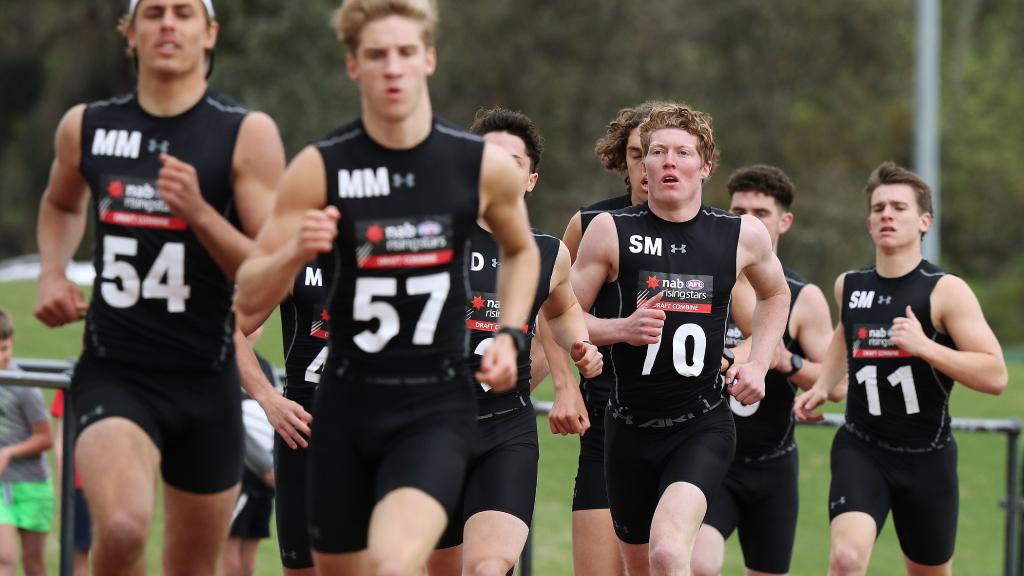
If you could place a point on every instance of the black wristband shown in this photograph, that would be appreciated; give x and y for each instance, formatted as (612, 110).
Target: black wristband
(730, 357)
(517, 336)
(797, 362)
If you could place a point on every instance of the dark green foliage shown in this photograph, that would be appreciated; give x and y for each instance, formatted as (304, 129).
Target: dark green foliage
(822, 89)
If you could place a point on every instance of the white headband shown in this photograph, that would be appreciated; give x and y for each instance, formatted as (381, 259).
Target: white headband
(133, 4)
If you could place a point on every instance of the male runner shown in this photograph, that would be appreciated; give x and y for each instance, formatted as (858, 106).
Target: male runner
(170, 167)
(594, 548)
(759, 494)
(907, 331)
(395, 194)
(501, 481)
(669, 434)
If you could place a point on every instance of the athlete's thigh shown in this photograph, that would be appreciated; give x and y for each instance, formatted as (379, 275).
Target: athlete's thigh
(590, 491)
(118, 463)
(768, 528)
(701, 453)
(430, 453)
(595, 547)
(493, 537)
(195, 529)
(290, 496)
(723, 513)
(341, 479)
(859, 482)
(203, 434)
(504, 478)
(632, 472)
(925, 511)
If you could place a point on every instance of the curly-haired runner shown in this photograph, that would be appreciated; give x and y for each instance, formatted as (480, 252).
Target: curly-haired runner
(669, 433)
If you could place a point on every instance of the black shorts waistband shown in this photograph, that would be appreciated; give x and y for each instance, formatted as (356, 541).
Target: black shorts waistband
(445, 369)
(497, 405)
(629, 417)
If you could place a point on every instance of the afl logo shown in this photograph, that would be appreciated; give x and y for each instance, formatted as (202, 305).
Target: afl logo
(429, 228)
(694, 284)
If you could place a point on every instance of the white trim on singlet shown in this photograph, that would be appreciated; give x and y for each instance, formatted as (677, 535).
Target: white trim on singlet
(796, 282)
(719, 214)
(457, 133)
(932, 274)
(634, 214)
(945, 405)
(544, 235)
(861, 271)
(611, 350)
(226, 107)
(339, 138)
(118, 100)
(295, 330)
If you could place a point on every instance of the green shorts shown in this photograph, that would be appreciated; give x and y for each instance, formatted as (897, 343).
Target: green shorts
(27, 505)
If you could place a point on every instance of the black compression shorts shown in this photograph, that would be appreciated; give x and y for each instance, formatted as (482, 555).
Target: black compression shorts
(290, 483)
(761, 499)
(194, 418)
(921, 489)
(251, 517)
(376, 433)
(502, 471)
(590, 492)
(641, 463)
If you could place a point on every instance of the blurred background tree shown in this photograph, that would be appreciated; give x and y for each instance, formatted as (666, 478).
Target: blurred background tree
(822, 89)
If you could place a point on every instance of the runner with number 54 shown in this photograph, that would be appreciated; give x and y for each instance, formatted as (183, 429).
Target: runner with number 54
(180, 179)
(907, 331)
(673, 261)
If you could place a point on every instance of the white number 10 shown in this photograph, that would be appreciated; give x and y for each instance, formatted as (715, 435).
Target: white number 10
(682, 365)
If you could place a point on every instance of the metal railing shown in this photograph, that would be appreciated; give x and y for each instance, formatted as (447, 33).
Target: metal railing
(56, 374)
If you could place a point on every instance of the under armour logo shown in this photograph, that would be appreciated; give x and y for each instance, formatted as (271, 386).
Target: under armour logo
(681, 248)
(162, 145)
(408, 180)
(885, 299)
(84, 418)
(495, 262)
(832, 505)
(292, 554)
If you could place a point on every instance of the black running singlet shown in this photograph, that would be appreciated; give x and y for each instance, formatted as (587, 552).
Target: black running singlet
(693, 264)
(399, 286)
(304, 322)
(896, 401)
(606, 304)
(159, 300)
(764, 429)
(483, 309)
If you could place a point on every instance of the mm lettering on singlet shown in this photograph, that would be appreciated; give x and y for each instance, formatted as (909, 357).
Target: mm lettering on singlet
(483, 312)
(136, 202)
(415, 242)
(680, 292)
(875, 341)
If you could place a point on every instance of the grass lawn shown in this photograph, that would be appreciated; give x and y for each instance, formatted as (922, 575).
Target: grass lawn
(982, 472)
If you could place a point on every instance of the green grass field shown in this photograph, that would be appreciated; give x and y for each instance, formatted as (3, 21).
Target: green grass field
(982, 472)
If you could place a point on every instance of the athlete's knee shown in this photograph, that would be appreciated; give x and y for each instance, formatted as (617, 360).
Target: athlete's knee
(8, 560)
(491, 567)
(846, 558)
(668, 558)
(705, 565)
(122, 533)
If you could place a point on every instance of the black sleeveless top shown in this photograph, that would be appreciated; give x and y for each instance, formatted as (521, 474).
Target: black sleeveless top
(159, 300)
(606, 304)
(399, 284)
(483, 308)
(764, 429)
(304, 324)
(693, 264)
(895, 401)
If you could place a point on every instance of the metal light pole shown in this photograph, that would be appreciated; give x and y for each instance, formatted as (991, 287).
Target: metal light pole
(926, 135)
